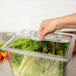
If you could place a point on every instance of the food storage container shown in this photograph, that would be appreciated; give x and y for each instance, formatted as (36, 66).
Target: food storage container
(32, 56)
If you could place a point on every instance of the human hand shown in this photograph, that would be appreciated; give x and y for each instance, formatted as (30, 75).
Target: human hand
(48, 26)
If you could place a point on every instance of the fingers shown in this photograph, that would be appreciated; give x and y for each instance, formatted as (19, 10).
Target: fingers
(41, 26)
(41, 29)
(45, 28)
(43, 33)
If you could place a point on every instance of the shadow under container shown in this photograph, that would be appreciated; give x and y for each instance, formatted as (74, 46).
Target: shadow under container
(34, 57)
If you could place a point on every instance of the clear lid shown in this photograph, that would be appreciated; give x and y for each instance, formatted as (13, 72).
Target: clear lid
(56, 37)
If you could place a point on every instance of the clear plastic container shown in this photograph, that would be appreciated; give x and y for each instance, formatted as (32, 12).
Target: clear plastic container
(25, 65)
(32, 56)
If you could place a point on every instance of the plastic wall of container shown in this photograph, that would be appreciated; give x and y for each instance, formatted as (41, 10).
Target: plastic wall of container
(25, 65)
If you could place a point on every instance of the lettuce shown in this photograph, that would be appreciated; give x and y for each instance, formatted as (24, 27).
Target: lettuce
(33, 66)
(17, 59)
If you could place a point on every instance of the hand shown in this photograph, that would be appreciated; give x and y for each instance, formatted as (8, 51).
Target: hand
(48, 26)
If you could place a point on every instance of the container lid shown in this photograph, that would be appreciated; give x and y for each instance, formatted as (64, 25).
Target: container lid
(34, 35)
(56, 37)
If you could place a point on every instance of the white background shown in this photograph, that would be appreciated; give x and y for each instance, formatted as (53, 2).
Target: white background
(17, 15)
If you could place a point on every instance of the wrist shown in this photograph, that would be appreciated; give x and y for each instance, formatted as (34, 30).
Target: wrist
(60, 23)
